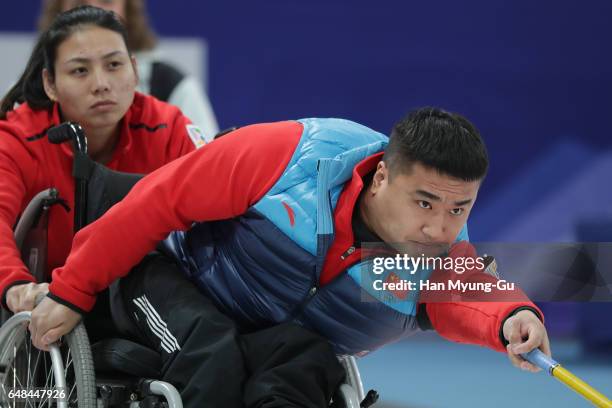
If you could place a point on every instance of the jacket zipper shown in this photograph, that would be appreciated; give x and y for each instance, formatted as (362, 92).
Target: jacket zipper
(348, 252)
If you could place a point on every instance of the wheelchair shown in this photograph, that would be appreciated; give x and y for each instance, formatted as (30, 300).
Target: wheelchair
(113, 372)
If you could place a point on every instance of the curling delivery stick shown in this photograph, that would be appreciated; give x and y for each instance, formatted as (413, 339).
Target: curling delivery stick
(536, 357)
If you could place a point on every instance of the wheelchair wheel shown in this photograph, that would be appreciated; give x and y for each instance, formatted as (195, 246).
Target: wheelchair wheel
(24, 368)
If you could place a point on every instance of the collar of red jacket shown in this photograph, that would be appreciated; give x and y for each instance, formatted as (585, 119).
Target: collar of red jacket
(343, 216)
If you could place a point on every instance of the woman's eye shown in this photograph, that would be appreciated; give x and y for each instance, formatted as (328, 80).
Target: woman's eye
(78, 71)
(424, 204)
(115, 64)
(457, 211)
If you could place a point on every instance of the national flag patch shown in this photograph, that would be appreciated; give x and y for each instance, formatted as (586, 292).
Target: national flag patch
(196, 135)
(398, 293)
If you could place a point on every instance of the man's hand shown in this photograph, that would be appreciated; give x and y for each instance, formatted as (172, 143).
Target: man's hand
(22, 297)
(50, 321)
(525, 332)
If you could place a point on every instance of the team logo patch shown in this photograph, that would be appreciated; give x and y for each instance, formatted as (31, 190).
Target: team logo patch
(290, 213)
(196, 135)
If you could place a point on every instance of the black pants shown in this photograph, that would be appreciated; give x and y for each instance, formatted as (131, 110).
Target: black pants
(207, 360)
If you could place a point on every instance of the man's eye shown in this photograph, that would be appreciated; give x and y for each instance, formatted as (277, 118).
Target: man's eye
(114, 64)
(456, 211)
(424, 204)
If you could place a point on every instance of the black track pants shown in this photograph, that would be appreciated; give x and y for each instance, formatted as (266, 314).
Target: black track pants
(206, 359)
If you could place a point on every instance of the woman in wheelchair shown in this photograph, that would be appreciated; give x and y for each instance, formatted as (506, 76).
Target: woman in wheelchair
(81, 70)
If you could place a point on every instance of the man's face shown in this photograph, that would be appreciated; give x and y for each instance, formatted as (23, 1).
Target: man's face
(419, 211)
(95, 78)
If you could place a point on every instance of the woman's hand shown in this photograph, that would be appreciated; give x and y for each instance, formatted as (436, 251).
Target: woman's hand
(22, 297)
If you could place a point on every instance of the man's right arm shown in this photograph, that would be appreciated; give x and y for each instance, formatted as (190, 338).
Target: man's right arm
(219, 181)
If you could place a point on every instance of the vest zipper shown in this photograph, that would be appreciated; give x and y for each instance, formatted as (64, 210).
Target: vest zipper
(299, 308)
(348, 252)
(312, 292)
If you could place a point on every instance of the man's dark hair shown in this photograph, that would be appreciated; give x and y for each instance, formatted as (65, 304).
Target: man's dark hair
(444, 141)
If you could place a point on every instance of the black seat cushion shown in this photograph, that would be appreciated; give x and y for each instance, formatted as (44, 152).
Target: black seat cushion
(120, 355)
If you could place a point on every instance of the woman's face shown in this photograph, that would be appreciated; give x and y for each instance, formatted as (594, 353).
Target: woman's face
(95, 78)
(118, 6)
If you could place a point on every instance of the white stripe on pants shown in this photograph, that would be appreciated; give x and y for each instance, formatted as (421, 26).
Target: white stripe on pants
(157, 325)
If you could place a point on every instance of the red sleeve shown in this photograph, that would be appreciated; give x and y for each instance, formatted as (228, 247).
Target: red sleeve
(469, 320)
(14, 179)
(473, 322)
(218, 181)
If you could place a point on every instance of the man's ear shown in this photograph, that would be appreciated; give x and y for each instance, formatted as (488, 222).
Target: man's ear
(381, 176)
(135, 67)
(49, 84)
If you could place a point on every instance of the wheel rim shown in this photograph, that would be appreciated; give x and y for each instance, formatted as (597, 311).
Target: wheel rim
(27, 368)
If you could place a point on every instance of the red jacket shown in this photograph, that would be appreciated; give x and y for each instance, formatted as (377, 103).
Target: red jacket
(153, 133)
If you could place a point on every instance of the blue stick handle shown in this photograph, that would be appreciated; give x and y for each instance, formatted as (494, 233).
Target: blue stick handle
(538, 358)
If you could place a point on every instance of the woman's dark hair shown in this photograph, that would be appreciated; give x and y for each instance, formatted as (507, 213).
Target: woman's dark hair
(29, 88)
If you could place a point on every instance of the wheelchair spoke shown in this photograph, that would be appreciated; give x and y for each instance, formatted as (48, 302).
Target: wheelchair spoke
(13, 368)
(68, 364)
(16, 383)
(49, 379)
(46, 400)
(36, 365)
(48, 385)
(29, 362)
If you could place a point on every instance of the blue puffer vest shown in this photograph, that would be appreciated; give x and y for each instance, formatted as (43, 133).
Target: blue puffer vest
(263, 267)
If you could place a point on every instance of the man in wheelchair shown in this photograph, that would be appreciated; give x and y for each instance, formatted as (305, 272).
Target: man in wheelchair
(268, 222)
